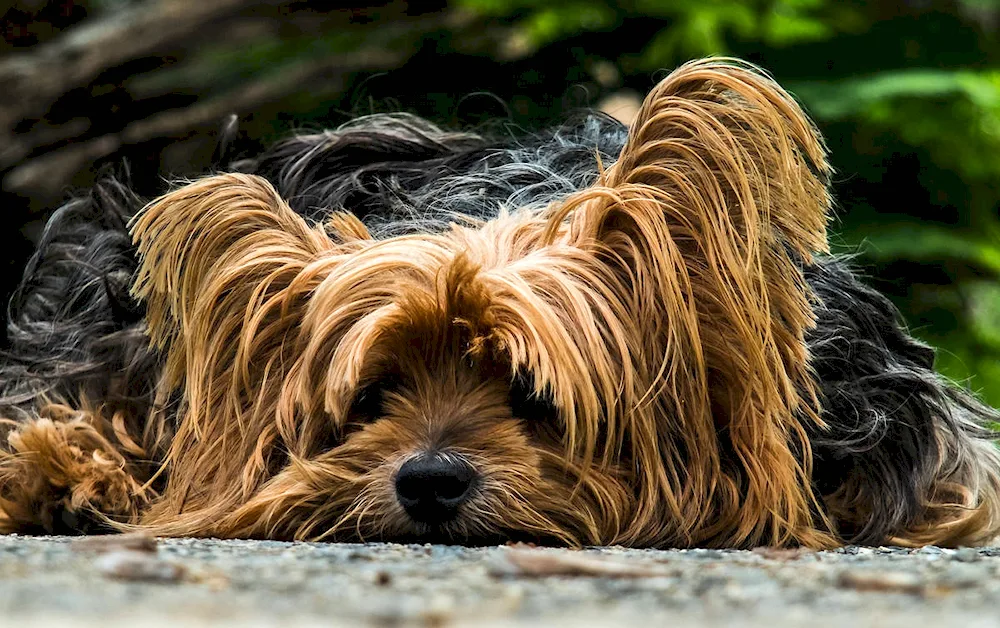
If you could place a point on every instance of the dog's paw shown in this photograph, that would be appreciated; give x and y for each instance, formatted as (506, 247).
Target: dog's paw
(64, 477)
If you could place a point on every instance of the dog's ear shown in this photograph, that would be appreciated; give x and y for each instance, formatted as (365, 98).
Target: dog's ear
(719, 196)
(222, 273)
(204, 250)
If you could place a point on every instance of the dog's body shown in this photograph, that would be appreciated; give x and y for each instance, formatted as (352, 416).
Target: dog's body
(593, 336)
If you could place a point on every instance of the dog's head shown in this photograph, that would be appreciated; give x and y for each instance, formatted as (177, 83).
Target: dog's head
(625, 366)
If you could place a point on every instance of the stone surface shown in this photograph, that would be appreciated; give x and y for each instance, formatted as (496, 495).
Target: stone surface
(62, 582)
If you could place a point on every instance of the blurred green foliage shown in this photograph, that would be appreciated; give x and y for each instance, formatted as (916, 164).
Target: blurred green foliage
(696, 27)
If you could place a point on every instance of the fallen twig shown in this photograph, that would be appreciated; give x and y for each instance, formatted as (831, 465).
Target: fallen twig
(137, 542)
(540, 564)
(140, 566)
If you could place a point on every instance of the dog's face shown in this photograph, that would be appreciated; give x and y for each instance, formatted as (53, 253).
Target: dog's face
(440, 385)
(625, 366)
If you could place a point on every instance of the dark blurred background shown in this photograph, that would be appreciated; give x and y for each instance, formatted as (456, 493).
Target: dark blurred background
(907, 93)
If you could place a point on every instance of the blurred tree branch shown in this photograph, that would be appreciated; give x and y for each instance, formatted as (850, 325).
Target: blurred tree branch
(325, 75)
(34, 80)
(38, 156)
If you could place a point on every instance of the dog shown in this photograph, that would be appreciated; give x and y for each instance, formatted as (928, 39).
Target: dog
(589, 336)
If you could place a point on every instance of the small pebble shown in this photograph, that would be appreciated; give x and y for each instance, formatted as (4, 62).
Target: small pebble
(967, 555)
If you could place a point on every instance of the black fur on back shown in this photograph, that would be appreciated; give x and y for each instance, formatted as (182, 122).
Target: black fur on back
(74, 329)
(400, 173)
(883, 404)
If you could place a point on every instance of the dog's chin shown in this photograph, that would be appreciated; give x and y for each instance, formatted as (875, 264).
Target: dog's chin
(465, 529)
(443, 535)
(454, 534)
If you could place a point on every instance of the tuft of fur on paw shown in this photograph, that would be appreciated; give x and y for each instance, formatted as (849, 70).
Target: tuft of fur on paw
(60, 474)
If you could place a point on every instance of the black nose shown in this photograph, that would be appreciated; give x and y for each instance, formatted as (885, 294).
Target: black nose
(432, 487)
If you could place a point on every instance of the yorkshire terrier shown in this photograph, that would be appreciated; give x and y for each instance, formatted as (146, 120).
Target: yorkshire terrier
(594, 335)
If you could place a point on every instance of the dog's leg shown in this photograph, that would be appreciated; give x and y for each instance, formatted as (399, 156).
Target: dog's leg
(69, 471)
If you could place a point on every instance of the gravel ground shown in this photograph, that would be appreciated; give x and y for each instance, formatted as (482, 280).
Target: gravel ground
(134, 581)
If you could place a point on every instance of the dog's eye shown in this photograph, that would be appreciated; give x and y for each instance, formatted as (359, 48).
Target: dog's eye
(526, 404)
(366, 408)
(367, 404)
